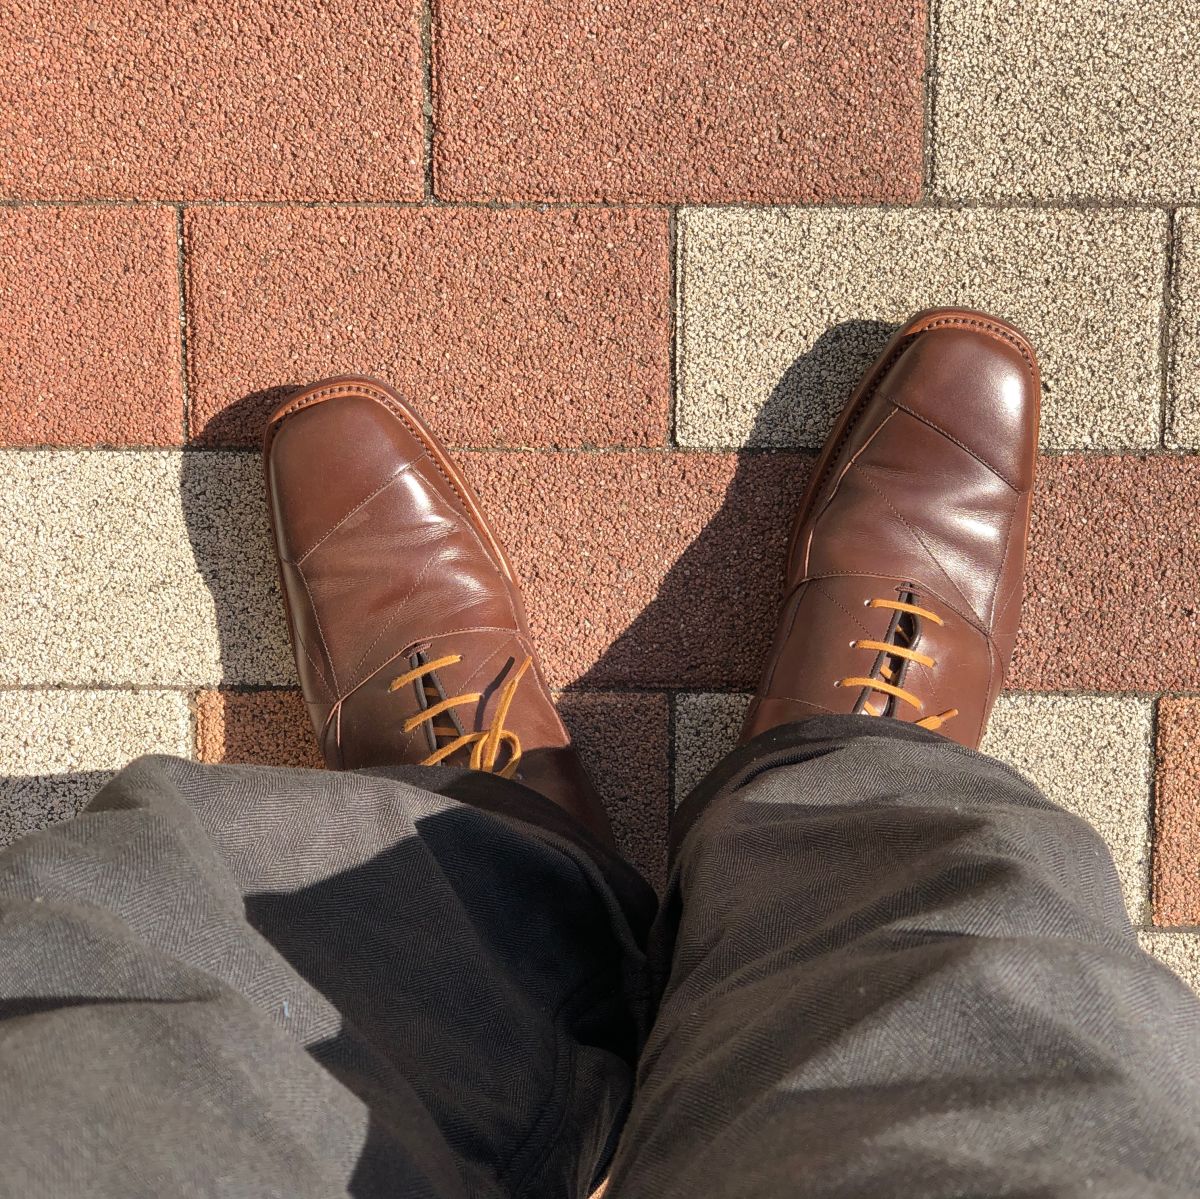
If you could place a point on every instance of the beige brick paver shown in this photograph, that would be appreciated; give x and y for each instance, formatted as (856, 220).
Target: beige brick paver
(137, 568)
(1040, 735)
(1177, 951)
(1183, 422)
(1091, 754)
(782, 310)
(58, 747)
(1067, 99)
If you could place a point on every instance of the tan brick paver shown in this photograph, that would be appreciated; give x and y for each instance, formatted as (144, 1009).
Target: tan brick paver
(1067, 100)
(624, 741)
(1179, 951)
(1038, 734)
(1108, 785)
(57, 748)
(781, 311)
(1183, 427)
(137, 569)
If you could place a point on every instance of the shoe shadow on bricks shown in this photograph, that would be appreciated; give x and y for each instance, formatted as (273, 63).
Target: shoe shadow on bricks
(709, 623)
(242, 422)
(224, 510)
(240, 635)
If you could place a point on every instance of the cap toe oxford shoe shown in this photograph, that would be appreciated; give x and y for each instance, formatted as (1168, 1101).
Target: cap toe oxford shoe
(906, 563)
(406, 619)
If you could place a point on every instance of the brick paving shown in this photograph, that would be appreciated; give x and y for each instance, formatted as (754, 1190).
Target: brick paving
(629, 258)
(222, 101)
(1177, 812)
(89, 307)
(432, 299)
(678, 101)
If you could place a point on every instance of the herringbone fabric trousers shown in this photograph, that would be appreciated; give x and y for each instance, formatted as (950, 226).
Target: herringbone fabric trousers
(884, 966)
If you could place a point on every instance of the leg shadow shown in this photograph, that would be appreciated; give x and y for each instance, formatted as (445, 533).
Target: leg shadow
(29, 802)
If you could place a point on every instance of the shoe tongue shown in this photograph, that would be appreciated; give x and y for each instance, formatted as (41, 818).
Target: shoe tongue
(902, 630)
(431, 689)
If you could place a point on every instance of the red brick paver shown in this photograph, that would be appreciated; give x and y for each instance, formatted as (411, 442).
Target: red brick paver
(642, 568)
(510, 328)
(266, 728)
(1176, 887)
(1113, 599)
(678, 100)
(223, 100)
(89, 305)
(662, 570)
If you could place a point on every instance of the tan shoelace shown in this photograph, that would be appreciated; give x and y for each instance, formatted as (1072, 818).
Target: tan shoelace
(485, 745)
(898, 651)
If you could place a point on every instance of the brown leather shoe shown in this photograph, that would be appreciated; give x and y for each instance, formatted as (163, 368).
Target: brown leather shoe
(906, 566)
(405, 615)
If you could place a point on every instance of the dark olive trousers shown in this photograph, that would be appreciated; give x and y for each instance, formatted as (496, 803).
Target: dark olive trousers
(884, 966)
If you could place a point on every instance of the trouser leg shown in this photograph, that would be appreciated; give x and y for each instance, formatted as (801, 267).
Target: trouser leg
(240, 981)
(899, 970)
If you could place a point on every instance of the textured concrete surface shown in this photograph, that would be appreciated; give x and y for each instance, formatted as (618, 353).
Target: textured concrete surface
(90, 312)
(1067, 100)
(1041, 736)
(264, 728)
(229, 100)
(144, 569)
(623, 738)
(1179, 952)
(1177, 813)
(1183, 423)
(514, 327)
(782, 310)
(1113, 598)
(57, 748)
(1089, 754)
(678, 100)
